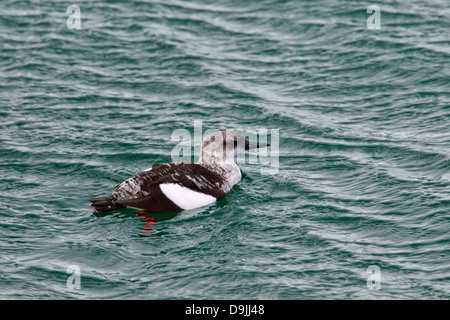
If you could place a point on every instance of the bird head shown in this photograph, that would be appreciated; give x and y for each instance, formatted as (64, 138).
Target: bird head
(222, 146)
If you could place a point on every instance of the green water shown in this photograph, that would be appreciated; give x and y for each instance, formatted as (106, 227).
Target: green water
(364, 165)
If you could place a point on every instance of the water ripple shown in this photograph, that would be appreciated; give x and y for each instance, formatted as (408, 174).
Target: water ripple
(364, 175)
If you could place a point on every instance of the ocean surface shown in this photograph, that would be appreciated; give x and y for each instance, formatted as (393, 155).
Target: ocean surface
(358, 207)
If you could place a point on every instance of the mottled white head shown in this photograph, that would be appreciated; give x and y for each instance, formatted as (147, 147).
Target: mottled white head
(220, 148)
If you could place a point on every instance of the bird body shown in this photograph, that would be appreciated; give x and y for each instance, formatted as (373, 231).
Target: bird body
(181, 186)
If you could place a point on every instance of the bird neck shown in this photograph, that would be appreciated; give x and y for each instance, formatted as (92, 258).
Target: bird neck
(228, 170)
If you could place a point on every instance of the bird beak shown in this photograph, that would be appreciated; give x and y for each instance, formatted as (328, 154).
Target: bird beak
(253, 145)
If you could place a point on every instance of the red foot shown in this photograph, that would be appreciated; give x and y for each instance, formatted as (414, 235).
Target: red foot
(149, 222)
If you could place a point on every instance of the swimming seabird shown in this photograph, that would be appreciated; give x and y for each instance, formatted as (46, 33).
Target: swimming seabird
(181, 186)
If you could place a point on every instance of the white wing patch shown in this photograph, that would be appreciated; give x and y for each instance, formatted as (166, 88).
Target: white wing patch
(184, 197)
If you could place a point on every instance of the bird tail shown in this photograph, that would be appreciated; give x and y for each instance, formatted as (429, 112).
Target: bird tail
(105, 204)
